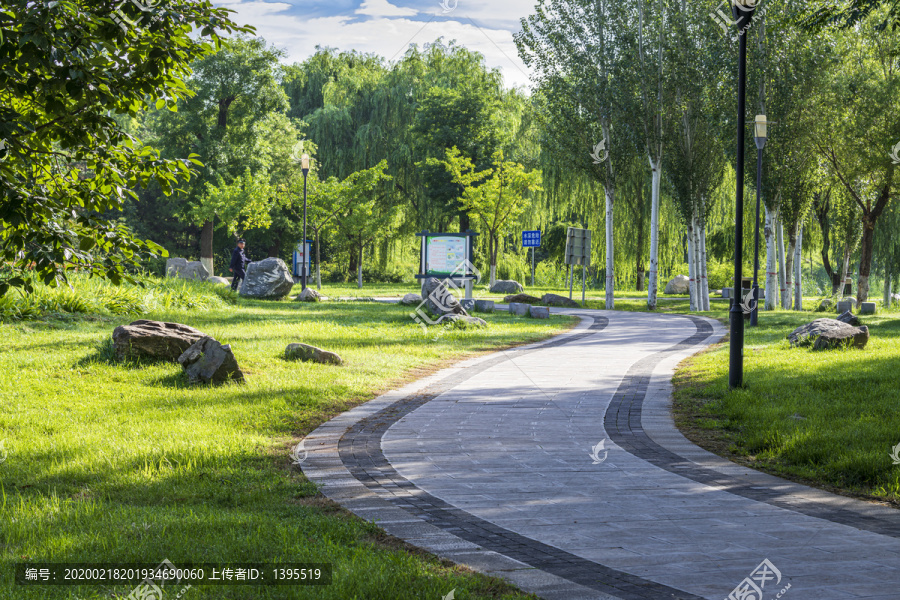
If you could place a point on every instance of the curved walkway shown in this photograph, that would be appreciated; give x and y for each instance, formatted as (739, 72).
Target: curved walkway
(496, 463)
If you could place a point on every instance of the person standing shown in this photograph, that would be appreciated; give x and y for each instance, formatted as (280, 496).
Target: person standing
(238, 261)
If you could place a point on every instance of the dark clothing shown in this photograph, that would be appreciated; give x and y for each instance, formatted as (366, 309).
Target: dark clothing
(238, 261)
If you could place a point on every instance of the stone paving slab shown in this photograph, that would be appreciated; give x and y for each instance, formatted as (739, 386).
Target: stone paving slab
(496, 459)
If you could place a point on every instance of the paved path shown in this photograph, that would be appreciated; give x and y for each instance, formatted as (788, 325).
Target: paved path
(489, 464)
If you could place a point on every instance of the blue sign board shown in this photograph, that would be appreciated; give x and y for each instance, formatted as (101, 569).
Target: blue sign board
(531, 239)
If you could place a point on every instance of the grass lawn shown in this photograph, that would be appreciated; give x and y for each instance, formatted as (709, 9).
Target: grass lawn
(118, 463)
(828, 419)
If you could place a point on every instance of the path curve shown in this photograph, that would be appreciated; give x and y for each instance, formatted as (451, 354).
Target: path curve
(488, 463)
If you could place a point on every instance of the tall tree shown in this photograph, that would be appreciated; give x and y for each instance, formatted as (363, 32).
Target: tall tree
(68, 70)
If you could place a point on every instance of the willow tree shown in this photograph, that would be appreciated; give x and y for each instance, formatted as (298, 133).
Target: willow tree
(571, 48)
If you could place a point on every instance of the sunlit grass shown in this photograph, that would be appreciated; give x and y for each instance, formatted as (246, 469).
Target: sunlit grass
(111, 462)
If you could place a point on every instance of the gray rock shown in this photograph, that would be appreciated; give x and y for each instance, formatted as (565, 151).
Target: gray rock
(867, 308)
(208, 361)
(849, 318)
(310, 295)
(679, 285)
(506, 286)
(468, 304)
(557, 300)
(463, 322)
(411, 300)
(807, 334)
(439, 301)
(305, 352)
(269, 278)
(484, 306)
(184, 269)
(522, 298)
(825, 305)
(845, 305)
(857, 337)
(518, 309)
(153, 339)
(539, 312)
(218, 280)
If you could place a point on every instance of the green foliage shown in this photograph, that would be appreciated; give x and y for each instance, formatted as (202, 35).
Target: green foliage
(69, 70)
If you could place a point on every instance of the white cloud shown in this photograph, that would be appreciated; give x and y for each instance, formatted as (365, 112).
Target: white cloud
(383, 8)
(487, 29)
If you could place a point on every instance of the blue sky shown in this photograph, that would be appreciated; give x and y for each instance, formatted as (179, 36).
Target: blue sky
(388, 27)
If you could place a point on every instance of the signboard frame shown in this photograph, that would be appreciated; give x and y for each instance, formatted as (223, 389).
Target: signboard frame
(578, 252)
(426, 270)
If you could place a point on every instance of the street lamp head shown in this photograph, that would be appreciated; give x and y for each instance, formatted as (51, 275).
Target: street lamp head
(760, 133)
(304, 163)
(742, 10)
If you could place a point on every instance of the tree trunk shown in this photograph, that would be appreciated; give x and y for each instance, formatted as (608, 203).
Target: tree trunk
(359, 268)
(845, 268)
(492, 251)
(354, 261)
(318, 262)
(865, 261)
(887, 288)
(704, 273)
(610, 264)
(206, 246)
(692, 268)
(275, 249)
(789, 268)
(798, 272)
(779, 232)
(652, 283)
(771, 255)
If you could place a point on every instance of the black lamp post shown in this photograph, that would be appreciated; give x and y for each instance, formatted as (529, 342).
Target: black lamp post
(304, 166)
(742, 10)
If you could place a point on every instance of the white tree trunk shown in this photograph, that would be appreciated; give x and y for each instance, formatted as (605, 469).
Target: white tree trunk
(845, 268)
(704, 272)
(789, 271)
(493, 275)
(779, 232)
(771, 273)
(610, 264)
(652, 284)
(207, 263)
(798, 271)
(692, 275)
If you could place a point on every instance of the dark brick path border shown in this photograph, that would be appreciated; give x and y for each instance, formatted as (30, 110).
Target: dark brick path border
(623, 424)
(360, 451)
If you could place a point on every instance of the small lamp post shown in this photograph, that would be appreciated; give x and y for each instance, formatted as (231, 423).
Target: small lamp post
(759, 136)
(742, 10)
(304, 166)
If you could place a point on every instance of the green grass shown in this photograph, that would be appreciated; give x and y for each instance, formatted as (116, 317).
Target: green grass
(825, 418)
(113, 463)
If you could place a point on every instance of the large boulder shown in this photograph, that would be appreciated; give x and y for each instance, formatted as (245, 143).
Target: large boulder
(522, 299)
(506, 286)
(846, 336)
(208, 361)
(439, 301)
(679, 285)
(826, 305)
(305, 352)
(218, 280)
(269, 278)
(411, 300)
(310, 295)
(557, 300)
(153, 339)
(185, 269)
(807, 334)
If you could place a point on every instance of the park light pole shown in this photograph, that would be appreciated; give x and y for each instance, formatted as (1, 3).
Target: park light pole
(759, 137)
(742, 10)
(304, 166)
